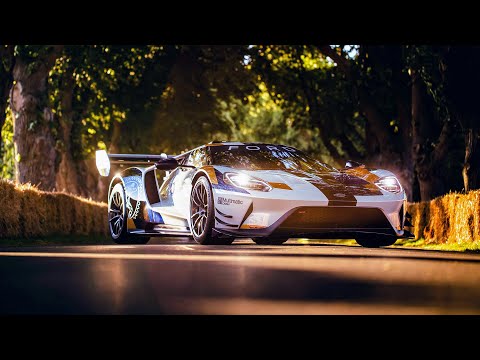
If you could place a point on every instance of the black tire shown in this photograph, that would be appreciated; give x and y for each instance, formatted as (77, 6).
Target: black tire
(117, 218)
(375, 241)
(202, 214)
(270, 241)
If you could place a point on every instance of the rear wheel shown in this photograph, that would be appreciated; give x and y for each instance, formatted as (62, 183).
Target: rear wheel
(375, 241)
(117, 218)
(270, 241)
(202, 218)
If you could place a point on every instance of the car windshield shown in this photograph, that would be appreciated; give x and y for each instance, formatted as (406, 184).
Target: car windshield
(265, 157)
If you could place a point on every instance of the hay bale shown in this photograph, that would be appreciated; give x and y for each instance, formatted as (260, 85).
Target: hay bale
(475, 196)
(52, 214)
(66, 214)
(32, 213)
(452, 218)
(9, 209)
(412, 209)
(461, 212)
(437, 228)
(419, 212)
(100, 219)
(29, 212)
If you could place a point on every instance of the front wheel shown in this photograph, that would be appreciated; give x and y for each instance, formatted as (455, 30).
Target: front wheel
(202, 218)
(375, 241)
(270, 241)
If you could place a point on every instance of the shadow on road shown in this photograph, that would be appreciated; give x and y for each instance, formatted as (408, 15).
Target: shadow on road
(112, 286)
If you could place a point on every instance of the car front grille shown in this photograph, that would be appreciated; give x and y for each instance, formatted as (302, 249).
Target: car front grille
(332, 217)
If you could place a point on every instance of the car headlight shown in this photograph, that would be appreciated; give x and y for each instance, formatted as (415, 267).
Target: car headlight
(245, 181)
(389, 183)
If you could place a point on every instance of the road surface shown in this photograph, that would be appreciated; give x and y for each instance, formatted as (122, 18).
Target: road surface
(177, 276)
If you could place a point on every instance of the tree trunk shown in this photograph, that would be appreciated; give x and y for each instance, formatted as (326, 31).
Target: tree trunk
(6, 80)
(378, 123)
(67, 175)
(471, 166)
(114, 146)
(423, 167)
(34, 143)
(428, 157)
(407, 173)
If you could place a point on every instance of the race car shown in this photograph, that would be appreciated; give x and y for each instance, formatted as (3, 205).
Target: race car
(269, 193)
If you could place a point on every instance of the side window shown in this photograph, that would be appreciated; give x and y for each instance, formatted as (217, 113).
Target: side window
(198, 158)
(189, 160)
(166, 189)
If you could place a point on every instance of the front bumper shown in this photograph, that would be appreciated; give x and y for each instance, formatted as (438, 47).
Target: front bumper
(299, 213)
(324, 222)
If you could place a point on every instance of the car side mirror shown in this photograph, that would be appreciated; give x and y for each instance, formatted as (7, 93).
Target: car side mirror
(350, 164)
(166, 164)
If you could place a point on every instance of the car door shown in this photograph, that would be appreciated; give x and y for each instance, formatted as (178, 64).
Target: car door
(175, 192)
(183, 181)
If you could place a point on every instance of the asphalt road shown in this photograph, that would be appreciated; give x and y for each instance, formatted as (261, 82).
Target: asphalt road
(177, 276)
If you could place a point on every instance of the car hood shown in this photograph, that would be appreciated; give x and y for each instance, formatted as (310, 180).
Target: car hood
(335, 182)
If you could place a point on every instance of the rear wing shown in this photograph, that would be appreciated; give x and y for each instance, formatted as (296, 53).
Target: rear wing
(104, 160)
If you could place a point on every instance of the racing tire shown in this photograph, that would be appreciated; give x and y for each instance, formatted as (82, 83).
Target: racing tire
(270, 241)
(375, 241)
(117, 218)
(202, 214)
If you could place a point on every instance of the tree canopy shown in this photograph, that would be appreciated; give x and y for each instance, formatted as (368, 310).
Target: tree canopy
(408, 108)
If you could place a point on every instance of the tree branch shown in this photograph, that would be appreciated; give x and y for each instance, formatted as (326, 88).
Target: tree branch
(442, 146)
(341, 61)
(377, 120)
(349, 147)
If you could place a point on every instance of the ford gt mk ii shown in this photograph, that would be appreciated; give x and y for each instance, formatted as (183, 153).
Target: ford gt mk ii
(269, 193)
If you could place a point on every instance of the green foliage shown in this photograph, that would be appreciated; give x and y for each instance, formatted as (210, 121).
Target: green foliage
(169, 98)
(172, 89)
(429, 62)
(187, 113)
(7, 153)
(108, 82)
(315, 94)
(262, 119)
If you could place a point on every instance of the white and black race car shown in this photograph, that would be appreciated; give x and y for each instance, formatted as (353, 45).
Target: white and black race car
(269, 193)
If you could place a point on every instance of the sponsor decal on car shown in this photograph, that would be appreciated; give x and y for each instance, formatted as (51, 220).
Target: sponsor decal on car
(261, 147)
(226, 201)
(256, 221)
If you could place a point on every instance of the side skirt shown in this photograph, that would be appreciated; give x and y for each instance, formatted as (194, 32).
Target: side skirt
(162, 230)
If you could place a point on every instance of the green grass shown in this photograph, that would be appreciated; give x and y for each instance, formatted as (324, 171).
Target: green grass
(330, 241)
(57, 240)
(421, 243)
